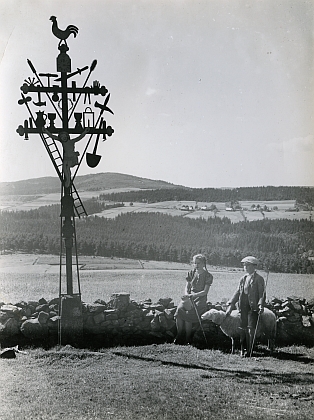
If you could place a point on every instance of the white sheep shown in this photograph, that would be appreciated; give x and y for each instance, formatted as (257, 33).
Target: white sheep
(231, 326)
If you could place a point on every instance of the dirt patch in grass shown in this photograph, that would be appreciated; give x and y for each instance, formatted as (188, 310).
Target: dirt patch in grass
(156, 382)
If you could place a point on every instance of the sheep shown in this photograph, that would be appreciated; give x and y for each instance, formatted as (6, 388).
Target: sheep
(231, 326)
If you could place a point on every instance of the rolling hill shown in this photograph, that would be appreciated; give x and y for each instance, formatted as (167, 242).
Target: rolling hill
(92, 182)
(162, 197)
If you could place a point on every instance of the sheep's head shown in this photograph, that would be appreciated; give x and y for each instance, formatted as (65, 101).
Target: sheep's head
(217, 317)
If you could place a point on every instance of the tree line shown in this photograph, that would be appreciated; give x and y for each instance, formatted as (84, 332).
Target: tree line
(303, 195)
(283, 245)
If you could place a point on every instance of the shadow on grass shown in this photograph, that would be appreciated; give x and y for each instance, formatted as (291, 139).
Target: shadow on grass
(294, 357)
(284, 355)
(260, 376)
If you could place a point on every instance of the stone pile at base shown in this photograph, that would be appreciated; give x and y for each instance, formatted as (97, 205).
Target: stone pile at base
(122, 321)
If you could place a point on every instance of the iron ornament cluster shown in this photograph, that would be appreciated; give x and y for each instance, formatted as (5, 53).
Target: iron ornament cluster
(63, 98)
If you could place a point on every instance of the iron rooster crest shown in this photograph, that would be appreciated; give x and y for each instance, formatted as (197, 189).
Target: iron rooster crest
(63, 35)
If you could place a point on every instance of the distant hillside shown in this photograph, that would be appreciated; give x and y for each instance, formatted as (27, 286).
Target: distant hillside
(93, 182)
(304, 196)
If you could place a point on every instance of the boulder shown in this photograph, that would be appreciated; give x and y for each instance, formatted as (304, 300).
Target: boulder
(295, 306)
(99, 317)
(44, 307)
(135, 313)
(111, 314)
(165, 302)
(162, 321)
(155, 324)
(147, 302)
(42, 301)
(170, 324)
(100, 301)
(54, 308)
(310, 302)
(9, 328)
(169, 313)
(43, 317)
(54, 301)
(144, 325)
(150, 315)
(119, 301)
(132, 306)
(157, 307)
(53, 322)
(3, 316)
(33, 329)
(95, 308)
(11, 310)
(32, 303)
(30, 309)
(21, 304)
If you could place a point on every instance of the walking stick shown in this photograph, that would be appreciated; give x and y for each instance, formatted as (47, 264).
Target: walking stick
(199, 320)
(259, 315)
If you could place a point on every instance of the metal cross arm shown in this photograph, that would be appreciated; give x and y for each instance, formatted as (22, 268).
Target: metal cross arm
(95, 90)
(27, 128)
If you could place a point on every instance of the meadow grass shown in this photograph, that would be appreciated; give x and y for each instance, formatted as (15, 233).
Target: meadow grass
(141, 284)
(155, 382)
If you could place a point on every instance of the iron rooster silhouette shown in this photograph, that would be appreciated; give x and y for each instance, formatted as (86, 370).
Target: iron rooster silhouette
(59, 33)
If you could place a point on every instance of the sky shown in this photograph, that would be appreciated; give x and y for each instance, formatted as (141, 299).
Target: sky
(209, 93)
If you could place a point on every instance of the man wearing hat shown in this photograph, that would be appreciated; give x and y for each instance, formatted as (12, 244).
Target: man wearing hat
(250, 296)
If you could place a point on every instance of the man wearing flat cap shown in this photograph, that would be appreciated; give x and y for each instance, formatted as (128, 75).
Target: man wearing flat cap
(250, 296)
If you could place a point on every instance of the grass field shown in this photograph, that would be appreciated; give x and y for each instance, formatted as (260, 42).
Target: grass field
(28, 277)
(157, 382)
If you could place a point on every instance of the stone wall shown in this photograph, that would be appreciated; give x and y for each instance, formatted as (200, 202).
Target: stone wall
(122, 321)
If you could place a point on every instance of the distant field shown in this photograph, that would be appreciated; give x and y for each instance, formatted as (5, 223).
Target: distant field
(173, 208)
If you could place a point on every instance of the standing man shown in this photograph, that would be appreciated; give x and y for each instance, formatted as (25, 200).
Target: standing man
(250, 296)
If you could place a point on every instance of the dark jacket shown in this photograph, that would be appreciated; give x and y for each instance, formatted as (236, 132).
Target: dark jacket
(256, 292)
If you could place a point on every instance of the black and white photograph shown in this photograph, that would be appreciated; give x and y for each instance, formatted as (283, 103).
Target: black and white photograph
(156, 209)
